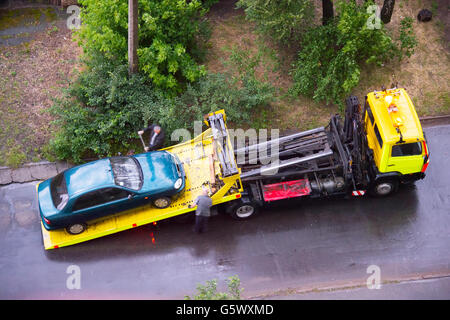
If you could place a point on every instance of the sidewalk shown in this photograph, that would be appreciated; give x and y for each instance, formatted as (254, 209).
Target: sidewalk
(428, 289)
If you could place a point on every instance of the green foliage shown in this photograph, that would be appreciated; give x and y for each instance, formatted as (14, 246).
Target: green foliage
(103, 109)
(100, 112)
(283, 20)
(168, 34)
(14, 156)
(408, 41)
(209, 290)
(328, 65)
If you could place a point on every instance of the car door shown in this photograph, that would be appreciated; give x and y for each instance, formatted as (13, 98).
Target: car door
(99, 203)
(406, 158)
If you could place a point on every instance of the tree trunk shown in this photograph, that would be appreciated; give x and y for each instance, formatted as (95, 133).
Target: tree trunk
(327, 11)
(387, 10)
(132, 36)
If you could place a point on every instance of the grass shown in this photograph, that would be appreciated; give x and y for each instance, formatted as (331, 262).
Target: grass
(31, 75)
(425, 74)
(233, 38)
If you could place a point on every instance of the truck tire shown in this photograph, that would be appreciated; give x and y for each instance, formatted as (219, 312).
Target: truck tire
(384, 188)
(241, 210)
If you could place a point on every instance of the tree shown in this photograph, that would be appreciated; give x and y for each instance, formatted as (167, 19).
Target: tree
(133, 29)
(283, 20)
(168, 34)
(327, 11)
(387, 10)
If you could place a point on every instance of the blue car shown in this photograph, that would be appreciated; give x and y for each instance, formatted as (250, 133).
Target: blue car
(107, 186)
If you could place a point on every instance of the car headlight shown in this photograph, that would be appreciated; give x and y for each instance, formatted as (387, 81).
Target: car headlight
(178, 183)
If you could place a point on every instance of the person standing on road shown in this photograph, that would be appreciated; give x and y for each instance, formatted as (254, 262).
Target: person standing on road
(156, 137)
(203, 211)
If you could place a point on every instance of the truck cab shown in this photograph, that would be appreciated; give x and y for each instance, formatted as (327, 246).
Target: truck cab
(395, 136)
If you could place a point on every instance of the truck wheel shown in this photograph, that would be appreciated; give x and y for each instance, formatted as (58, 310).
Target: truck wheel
(76, 228)
(384, 188)
(243, 210)
(162, 202)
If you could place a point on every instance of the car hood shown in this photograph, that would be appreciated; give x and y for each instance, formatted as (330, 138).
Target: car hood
(159, 171)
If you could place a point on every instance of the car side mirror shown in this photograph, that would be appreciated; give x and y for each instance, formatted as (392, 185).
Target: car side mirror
(130, 196)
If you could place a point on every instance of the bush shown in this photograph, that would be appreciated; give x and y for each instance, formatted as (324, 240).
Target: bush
(209, 290)
(408, 41)
(100, 112)
(283, 20)
(103, 109)
(168, 34)
(329, 63)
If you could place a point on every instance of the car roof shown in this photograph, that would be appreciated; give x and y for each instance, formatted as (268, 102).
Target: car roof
(90, 176)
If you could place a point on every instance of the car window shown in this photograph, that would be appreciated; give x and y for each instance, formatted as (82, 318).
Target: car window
(114, 194)
(99, 197)
(407, 149)
(87, 200)
(127, 172)
(58, 190)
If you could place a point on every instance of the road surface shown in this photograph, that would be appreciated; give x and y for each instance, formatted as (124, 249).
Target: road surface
(290, 246)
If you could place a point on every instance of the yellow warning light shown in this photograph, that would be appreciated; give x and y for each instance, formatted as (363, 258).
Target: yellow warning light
(398, 121)
(388, 99)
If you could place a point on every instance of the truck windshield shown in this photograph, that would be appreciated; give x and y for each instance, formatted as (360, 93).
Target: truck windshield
(127, 172)
(58, 190)
(407, 149)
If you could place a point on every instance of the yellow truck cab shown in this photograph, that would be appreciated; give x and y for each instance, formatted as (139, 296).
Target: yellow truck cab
(395, 136)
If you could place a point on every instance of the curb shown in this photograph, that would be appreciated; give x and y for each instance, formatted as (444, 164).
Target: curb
(45, 170)
(435, 120)
(32, 172)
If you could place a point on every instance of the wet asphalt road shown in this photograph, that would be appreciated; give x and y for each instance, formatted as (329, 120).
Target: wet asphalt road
(292, 244)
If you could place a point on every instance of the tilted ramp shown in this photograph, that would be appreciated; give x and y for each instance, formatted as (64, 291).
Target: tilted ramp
(204, 162)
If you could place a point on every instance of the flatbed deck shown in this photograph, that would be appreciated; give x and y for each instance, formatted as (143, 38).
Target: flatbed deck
(202, 166)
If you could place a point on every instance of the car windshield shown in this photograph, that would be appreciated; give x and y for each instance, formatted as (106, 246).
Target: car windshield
(58, 190)
(127, 172)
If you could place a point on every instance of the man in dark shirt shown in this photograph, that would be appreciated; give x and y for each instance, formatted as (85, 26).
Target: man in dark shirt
(156, 137)
(203, 212)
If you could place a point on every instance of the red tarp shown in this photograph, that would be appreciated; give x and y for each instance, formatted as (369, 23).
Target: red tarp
(288, 189)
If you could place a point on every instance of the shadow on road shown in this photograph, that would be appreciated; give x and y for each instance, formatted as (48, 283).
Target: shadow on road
(372, 219)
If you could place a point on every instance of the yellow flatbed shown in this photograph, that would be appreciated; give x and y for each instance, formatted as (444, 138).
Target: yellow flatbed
(203, 162)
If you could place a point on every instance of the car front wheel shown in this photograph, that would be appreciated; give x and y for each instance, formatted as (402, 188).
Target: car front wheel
(384, 188)
(162, 202)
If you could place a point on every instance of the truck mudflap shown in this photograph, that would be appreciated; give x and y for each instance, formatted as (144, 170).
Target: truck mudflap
(287, 189)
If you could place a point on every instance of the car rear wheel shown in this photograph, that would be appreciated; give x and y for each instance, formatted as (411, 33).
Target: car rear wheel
(76, 228)
(162, 202)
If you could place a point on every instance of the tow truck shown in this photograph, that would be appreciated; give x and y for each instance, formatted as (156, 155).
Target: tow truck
(373, 150)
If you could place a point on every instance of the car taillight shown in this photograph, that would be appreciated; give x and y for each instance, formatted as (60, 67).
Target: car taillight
(47, 221)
